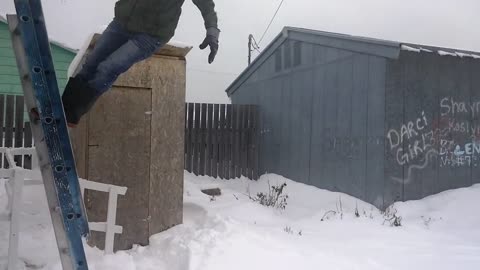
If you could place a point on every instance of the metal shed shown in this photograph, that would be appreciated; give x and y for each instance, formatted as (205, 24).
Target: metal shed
(380, 120)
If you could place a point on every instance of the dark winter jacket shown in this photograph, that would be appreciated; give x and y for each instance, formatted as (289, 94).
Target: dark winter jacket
(159, 18)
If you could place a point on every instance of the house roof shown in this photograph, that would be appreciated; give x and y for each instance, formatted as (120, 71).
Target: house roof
(372, 46)
(52, 41)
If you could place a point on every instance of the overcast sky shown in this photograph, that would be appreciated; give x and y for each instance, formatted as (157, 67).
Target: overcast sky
(446, 23)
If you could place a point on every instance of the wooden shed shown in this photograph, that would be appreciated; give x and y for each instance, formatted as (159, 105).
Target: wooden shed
(381, 120)
(134, 137)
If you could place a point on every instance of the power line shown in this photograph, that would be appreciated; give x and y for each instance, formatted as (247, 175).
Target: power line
(271, 21)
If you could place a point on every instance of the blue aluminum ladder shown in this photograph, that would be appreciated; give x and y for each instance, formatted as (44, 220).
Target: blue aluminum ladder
(49, 127)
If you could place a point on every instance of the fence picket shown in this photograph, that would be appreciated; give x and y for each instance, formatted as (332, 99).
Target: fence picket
(196, 139)
(10, 115)
(28, 142)
(234, 141)
(215, 139)
(203, 138)
(208, 145)
(2, 120)
(255, 142)
(244, 141)
(189, 136)
(19, 120)
(250, 135)
(228, 142)
(221, 143)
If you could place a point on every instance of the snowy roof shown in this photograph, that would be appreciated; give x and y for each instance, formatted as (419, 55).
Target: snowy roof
(365, 45)
(402, 45)
(52, 41)
(440, 51)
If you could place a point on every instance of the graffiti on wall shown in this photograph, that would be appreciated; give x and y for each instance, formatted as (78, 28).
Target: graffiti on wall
(465, 150)
(411, 140)
(452, 139)
(450, 106)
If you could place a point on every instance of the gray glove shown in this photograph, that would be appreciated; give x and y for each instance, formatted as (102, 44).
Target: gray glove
(211, 40)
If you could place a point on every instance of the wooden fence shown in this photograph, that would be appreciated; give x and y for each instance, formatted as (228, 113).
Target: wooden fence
(221, 140)
(15, 131)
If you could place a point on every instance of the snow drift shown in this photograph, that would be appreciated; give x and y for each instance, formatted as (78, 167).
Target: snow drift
(317, 229)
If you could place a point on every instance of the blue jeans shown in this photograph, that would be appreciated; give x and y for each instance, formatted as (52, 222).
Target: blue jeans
(114, 53)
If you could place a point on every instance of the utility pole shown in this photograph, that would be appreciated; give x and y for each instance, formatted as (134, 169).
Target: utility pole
(250, 38)
(252, 45)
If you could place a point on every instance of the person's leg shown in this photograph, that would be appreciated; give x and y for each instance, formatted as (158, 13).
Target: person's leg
(78, 95)
(112, 38)
(138, 48)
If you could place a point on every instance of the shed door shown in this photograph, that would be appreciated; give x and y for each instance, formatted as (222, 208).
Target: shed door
(119, 153)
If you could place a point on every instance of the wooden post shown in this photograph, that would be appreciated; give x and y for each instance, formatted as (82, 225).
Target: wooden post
(111, 219)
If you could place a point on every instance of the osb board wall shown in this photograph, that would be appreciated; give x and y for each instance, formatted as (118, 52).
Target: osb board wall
(168, 126)
(119, 153)
(148, 99)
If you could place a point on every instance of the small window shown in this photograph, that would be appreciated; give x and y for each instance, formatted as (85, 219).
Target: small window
(278, 60)
(287, 55)
(297, 54)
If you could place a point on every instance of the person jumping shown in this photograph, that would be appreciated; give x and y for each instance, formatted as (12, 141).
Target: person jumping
(138, 30)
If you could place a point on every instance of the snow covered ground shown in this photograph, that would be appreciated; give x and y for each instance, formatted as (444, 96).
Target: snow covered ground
(233, 232)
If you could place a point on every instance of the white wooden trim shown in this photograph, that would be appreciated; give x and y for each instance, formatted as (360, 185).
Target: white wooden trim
(20, 177)
(103, 187)
(111, 220)
(102, 227)
(15, 219)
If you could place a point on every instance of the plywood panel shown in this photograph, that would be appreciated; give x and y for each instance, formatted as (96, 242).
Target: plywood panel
(119, 154)
(166, 173)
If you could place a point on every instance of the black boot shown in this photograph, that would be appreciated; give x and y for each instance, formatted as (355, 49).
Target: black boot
(78, 98)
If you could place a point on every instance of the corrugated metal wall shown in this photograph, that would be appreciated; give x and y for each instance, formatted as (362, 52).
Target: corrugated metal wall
(347, 142)
(325, 120)
(433, 125)
(322, 119)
